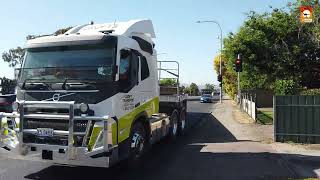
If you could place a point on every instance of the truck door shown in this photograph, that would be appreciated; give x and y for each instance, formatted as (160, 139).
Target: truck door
(128, 81)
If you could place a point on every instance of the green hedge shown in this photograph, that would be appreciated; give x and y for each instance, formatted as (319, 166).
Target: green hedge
(310, 92)
(286, 87)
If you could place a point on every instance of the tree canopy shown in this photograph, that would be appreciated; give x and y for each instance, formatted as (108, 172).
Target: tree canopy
(192, 90)
(274, 47)
(168, 82)
(209, 87)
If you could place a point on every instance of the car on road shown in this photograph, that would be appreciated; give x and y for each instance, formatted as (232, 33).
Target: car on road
(206, 98)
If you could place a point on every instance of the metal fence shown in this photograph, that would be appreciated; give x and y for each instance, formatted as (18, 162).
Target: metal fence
(297, 119)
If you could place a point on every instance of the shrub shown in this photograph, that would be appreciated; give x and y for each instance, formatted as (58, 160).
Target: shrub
(286, 87)
(310, 92)
(168, 82)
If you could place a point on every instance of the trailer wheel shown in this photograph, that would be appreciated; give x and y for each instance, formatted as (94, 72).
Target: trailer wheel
(173, 130)
(182, 122)
(138, 143)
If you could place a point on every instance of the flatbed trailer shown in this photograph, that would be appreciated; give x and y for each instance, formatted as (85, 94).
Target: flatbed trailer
(171, 99)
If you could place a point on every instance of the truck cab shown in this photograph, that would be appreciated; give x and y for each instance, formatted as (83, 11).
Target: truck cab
(91, 96)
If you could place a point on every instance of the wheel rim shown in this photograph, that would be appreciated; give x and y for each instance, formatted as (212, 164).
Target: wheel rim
(137, 144)
(183, 124)
(183, 121)
(174, 128)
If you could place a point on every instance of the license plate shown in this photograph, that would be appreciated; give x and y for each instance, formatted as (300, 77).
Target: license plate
(45, 132)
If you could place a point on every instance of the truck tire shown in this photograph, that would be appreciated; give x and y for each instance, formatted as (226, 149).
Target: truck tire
(182, 122)
(173, 130)
(138, 144)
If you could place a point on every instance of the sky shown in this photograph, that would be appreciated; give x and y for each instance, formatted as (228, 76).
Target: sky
(178, 36)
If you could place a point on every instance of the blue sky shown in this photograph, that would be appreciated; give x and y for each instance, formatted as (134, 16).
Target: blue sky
(193, 45)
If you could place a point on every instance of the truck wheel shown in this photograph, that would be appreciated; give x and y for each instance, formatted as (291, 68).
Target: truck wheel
(182, 122)
(138, 143)
(173, 125)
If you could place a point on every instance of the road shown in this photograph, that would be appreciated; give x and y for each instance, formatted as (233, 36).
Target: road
(189, 157)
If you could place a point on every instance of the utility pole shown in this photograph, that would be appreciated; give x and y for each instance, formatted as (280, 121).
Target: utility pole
(221, 42)
(221, 45)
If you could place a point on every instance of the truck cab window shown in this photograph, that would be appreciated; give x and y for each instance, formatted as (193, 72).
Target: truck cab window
(124, 65)
(144, 68)
(128, 70)
(134, 69)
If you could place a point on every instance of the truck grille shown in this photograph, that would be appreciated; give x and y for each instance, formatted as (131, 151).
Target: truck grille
(30, 126)
(46, 123)
(63, 125)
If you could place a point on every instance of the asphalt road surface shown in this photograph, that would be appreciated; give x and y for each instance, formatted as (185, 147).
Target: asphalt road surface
(183, 159)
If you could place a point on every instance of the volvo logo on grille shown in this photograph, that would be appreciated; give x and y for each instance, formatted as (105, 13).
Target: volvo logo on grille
(56, 97)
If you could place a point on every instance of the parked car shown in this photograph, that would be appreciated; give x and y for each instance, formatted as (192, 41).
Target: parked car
(206, 98)
(6, 102)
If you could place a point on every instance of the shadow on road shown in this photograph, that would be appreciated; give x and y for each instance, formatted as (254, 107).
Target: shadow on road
(185, 159)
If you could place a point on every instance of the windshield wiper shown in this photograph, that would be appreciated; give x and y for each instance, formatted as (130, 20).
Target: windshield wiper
(80, 85)
(47, 85)
(37, 86)
(64, 84)
(24, 84)
(34, 85)
(77, 85)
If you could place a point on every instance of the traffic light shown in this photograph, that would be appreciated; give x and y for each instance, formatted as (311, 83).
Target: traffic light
(238, 64)
(219, 78)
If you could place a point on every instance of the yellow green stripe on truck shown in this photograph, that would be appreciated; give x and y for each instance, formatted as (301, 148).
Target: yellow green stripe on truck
(125, 122)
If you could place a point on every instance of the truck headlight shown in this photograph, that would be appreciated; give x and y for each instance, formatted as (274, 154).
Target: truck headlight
(84, 108)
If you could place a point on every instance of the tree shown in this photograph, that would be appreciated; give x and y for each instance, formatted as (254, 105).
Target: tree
(216, 63)
(182, 89)
(15, 55)
(168, 82)
(209, 87)
(274, 46)
(229, 77)
(194, 90)
(187, 90)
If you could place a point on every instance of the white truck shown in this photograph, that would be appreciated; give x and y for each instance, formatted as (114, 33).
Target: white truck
(91, 96)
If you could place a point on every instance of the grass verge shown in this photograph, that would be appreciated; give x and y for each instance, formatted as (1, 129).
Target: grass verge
(265, 117)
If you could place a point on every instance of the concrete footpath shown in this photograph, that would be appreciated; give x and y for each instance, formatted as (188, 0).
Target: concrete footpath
(300, 160)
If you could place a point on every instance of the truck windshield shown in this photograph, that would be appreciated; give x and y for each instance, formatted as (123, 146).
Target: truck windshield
(55, 64)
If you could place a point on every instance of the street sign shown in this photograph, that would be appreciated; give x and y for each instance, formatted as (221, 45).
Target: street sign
(305, 14)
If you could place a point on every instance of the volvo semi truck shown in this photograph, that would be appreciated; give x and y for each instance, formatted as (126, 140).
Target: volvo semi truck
(91, 96)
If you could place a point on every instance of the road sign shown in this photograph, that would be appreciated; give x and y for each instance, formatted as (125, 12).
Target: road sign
(305, 14)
